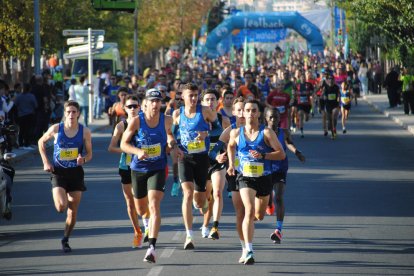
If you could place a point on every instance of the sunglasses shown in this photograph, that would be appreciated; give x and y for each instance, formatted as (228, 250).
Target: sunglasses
(132, 106)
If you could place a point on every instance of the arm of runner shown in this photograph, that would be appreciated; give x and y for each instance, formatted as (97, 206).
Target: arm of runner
(129, 133)
(225, 122)
(271, 139)
(116, 137)
(87, 142)
(49, 134)
(292, 147)
(171, 142)
(231, 151)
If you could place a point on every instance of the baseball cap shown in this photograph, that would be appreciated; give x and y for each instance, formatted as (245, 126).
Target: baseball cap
(153, 94)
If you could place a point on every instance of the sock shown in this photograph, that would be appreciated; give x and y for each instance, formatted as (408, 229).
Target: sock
(215, 224)
(243, 244)
(249, 247)
(145, 221)
(190, 233)
(279, 224)
(152, 242)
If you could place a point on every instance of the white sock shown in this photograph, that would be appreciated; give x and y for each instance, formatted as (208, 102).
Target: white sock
(249, 247)
(242, 244)
(189, 233)
(146, 222)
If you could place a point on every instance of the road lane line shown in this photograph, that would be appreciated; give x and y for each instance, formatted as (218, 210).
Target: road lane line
(167, 252)
(155, 271)
(177, 236)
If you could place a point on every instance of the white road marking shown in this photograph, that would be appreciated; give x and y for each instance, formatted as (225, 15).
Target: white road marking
(177, 236)
(167, 252)
(155, 271)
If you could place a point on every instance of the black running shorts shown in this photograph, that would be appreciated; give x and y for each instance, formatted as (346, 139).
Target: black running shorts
(125, 176)
(142, 182)
(262, 185)
(70, 179)
(194, 168)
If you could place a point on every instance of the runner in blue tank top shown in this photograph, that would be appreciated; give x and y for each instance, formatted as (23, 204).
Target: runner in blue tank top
(216, 178)
(131, 108)
(193, 121)
(70, 139)
(150, 132)
(279, 169)
(233, 187)
(227, 108)
(256, 146)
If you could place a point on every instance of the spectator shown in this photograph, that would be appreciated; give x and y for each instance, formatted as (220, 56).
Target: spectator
(26, 107)
(97, 86)
(392, 85)
(82, 97)
(408, 91)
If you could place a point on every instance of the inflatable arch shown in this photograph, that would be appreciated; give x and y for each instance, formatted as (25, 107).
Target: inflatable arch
(265, 20)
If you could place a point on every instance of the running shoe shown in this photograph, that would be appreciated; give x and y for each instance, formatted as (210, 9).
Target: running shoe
(146, 233)
(150, 255)
(214, 234)
(270, 210)
(65, 246)
(276, 236)
(249, 260)
(175, 189)
(204, 232)
(188, 243)
(243, 257)
(344, 131)
(137, 242)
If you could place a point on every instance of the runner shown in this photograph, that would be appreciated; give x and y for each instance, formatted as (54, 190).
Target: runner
(227, 109)
(131, 108)
(233, 187)
(256, 146)
(151, 133)
(216, 173)
(117, 111)
(332, 95)
(279, 169)
(303, 93)
(175, 104)
(70, 138)
(193, 121)
(346, 100)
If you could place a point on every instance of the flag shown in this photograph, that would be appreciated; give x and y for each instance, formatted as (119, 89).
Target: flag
(346, 47)
(245, 53)
(252, 55)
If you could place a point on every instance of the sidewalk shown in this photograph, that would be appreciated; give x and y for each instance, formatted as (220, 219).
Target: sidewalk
(380, 103)
(94, 127)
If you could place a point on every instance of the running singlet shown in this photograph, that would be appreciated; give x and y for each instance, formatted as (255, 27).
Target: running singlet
(125, 160)
(279, 100)
(345, 97)
(232, 118)
(188, 132)
(216, 130)
(281, 166)
(303, 93)
(66, 150)
(153, 141)
(249, 166)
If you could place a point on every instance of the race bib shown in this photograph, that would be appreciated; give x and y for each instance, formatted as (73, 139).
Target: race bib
(114, 92)
(153, 151)
(303, 99)
(128, 159)
(68, 154)
(236, 162)
(253, 169)
(331, 97)
(211, 146)
(346, 100)
(196, 146)
(281, 109)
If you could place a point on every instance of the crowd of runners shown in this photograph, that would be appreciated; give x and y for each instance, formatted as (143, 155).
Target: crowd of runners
(222, 125)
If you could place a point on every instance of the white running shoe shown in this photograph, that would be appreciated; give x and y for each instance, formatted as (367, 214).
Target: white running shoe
(204, 232)
(150, 255)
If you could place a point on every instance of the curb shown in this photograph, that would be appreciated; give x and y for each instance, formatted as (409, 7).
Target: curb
(387, 114)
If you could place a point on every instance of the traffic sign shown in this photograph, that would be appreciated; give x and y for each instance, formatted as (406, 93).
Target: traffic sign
(82, 32)
(81, 40)
(78, 55)
(85, 48)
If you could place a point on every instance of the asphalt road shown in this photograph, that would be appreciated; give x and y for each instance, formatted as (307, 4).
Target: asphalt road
(349, 211)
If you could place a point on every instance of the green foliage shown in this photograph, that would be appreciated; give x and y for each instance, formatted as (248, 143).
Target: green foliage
(159, 24)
